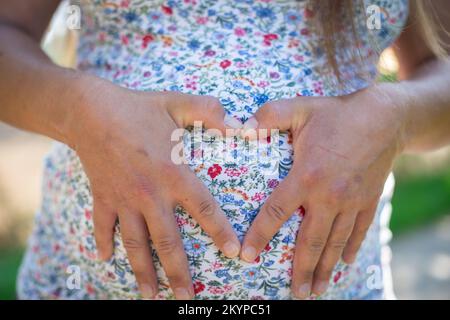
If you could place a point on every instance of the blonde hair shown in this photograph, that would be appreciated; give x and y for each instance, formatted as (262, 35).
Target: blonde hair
(429, 22)
(333, 15)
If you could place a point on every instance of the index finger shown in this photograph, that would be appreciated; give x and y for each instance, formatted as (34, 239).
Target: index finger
(282, 203)
(311, 240)
(201, 205)
(135, 240)
(167, 241)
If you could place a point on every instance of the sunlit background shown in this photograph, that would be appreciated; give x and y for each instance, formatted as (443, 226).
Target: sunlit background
(421, 204)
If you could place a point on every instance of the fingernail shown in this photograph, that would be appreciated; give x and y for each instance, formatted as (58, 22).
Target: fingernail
(250, 124)
(232, 122)
(348, 259)
(147, 291)
(230, 249)
(248, 130)
(249, 254)
(304, 291)
(102, 256)
(321, 287)
(182, 294)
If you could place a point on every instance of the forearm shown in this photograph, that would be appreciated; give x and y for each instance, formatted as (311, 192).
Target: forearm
(35, 94)
(425, 100)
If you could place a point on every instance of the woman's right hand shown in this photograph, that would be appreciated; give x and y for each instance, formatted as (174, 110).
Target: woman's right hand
(123, 139)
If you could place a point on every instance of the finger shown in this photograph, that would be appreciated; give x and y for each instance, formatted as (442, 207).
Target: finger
(167, 241)
(104, 222)
(193, 108)
(311, 240)
(340, 232)
(281, 204)
(362, 225)
(136, 242)
(272, 115)
(200, 204)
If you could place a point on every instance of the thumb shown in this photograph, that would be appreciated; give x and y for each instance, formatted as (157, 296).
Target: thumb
(278, 115)
(187, 109)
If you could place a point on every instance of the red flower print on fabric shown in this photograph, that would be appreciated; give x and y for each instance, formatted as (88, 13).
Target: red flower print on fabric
(167, 10)
(225, 64)
(198, 287)
(147, 39)
(214, 170)
(268, 38)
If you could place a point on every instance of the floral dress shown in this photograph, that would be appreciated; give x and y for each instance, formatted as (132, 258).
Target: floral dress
(245, 52)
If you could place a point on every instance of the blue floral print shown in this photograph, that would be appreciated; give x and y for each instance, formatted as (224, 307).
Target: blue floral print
(246, 53)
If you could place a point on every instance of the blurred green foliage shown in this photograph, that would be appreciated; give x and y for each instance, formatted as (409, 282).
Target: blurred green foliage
(9, 265)
(420, 199)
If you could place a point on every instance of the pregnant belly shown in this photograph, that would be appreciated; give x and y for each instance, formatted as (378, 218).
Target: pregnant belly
(239, 188)
(239, 179)
(240, 184)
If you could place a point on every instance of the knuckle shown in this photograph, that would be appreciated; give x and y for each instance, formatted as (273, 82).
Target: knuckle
(143, 187)
(275, 211)
(311, 176)
(307, 274)
(314, 244)
(168, 174)
(133, 244)
(206, 208)
(167, 245)
(339, 190)
(338, 244)
(212, 104)
(271, 107)
(166, 168)
(261, 236)
(271, 110)
(179, 178)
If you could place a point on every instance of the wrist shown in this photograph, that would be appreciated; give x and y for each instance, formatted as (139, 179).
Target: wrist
(398, 101)
(86, 90)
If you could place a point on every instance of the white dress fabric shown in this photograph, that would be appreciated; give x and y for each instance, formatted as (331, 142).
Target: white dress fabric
(245, 52)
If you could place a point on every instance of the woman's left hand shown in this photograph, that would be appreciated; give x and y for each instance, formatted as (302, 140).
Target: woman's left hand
(344, 148)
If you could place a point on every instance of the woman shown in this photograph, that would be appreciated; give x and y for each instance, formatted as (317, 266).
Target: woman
(146, 68)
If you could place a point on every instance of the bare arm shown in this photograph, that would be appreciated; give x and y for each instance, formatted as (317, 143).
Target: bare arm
(425, 86)
(351, 142)
(132, 178)
(32, 88)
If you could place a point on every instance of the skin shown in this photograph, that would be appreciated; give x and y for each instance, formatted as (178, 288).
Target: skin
(344, 149)
(123, 140)
(350, 142)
